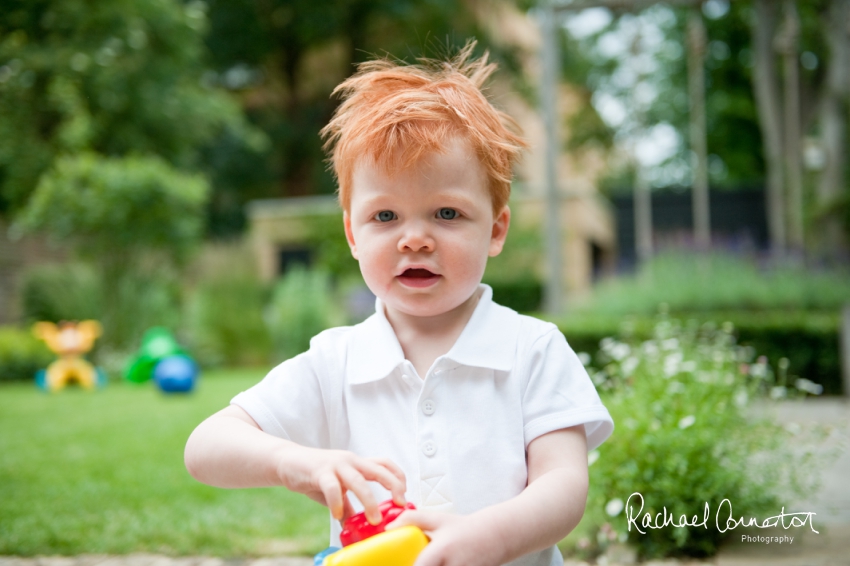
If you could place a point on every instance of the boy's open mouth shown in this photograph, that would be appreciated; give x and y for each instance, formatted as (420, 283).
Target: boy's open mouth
(418, 277)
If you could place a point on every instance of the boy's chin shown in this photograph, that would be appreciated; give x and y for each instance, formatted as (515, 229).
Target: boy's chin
(424, 305)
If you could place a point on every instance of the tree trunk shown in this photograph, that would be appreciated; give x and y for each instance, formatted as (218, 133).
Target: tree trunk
(766, 88)
(833, 119)
(788, 46)
(699, 146)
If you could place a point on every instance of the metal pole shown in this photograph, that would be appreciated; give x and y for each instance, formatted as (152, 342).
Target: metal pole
(643, 216)
(699, 145)
(553, 298)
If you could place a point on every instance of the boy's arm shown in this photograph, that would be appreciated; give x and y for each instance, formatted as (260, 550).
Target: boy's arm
(544, 513)
(230, 450)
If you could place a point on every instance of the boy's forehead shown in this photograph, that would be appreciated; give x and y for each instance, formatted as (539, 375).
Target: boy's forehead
(456, 158)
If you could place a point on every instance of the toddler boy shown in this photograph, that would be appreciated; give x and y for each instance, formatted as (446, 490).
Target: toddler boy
(480, 416)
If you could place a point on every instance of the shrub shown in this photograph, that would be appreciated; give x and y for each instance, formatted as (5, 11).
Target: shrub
(74, 291)
(522, 295)
(809, 340)
(21, 354)
(691, 283)
(687, 434)
(225, 321)
(61, 292)
(302, 305)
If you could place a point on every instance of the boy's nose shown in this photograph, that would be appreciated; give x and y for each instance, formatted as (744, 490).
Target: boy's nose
(416, 239)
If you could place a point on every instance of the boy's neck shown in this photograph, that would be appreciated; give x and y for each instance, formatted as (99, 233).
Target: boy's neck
(424, 339)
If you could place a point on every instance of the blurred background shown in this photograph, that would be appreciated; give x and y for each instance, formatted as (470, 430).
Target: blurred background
(160, 166)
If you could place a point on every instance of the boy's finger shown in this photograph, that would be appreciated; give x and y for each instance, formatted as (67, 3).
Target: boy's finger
(391, 466)
(329, 485)
(374, 471)
(347, 510)
(355, 482)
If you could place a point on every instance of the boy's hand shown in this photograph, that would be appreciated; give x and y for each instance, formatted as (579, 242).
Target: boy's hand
(455, 540)
(326, 476)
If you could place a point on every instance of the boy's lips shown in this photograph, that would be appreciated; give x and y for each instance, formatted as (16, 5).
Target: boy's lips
(418, 277)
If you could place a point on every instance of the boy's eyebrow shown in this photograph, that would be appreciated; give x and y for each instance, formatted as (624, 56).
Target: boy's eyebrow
(451, 197)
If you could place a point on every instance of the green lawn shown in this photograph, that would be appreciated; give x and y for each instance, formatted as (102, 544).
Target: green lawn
(103, 472)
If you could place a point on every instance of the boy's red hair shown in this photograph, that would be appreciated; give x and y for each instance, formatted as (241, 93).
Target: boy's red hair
(395, 114)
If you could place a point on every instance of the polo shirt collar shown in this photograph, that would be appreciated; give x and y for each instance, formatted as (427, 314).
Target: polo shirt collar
(488, 341)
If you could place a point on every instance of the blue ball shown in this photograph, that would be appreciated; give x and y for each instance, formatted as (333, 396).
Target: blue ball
(176, 374)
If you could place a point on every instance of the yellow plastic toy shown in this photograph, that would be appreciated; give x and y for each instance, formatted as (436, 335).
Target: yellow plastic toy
(396, 547)
(69, 340)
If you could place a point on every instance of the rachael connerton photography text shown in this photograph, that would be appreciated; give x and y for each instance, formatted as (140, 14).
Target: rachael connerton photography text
(724, 519)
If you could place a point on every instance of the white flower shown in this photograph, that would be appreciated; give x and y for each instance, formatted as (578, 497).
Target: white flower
(629, 365)
(614, 507)
(685, 422)
(758, 370)
(584, 358)
(670, 344)
(777, 392)
(808, 386)
(620, 351)
(650, 348)
(592, 457)
(671, 364)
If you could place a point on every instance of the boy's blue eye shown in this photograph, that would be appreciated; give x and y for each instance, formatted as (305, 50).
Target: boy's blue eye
(448, 213)
(385, 216)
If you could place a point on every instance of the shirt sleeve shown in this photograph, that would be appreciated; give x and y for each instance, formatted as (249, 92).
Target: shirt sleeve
(289, 402)
(559, 393)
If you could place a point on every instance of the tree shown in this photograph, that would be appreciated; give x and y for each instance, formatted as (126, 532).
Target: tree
(284, 57)
(754, 104)
(130, 217)
(114, 76)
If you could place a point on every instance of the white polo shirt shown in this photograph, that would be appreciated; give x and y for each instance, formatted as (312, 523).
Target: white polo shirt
(460, 434)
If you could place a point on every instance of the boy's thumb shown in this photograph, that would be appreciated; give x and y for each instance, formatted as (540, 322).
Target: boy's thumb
(422, 519)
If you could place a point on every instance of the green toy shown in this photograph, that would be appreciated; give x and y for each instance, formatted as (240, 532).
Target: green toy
(157, 343)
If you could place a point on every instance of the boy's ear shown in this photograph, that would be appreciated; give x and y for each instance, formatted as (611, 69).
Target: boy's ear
(349, 235)
(500, 231)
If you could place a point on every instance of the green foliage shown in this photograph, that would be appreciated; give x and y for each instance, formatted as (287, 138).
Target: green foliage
(21, 354)
(284, 57)
(513, 274)
(225, 322)
(301, 306)
(136, 303)
(692, 283)
(114, 77)
(687, 433)
(114, 209)
(56, 292)
(76, 291)
(102, 472)
(808, 340)
(136, 219)
(327, 238)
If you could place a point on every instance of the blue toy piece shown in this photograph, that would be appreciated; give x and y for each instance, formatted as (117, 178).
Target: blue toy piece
(319, 559)
(175, 374)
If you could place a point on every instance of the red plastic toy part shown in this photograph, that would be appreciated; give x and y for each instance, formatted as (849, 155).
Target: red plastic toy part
(357, 528)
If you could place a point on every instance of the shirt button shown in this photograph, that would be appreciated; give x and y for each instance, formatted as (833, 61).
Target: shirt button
(428, 407)
(429, 448)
